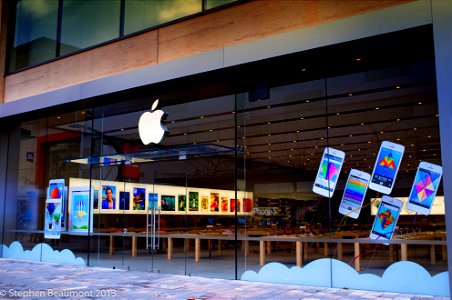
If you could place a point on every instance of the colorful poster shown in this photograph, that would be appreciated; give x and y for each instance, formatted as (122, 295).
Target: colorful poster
(193, 201)
(108, 197)
(247, 205)
(235, 203)
(182, 202)
(139, 198)
(214, 203)
(124, 200)
(204, 203)
(153, 201)
(168, 203)
(224, 204)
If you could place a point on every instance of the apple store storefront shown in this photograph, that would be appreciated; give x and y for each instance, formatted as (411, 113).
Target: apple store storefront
(303, 167)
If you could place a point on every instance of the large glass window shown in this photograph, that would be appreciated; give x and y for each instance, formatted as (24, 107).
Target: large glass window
(35, 33)
(142, 14)
(87, 23)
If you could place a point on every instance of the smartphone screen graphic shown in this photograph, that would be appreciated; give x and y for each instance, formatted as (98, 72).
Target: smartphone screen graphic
(386, 218)
(354, 193)
(425, 186)
(328, 173)
(386, 167)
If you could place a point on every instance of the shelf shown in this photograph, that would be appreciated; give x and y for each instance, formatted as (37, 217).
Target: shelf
(157, 154)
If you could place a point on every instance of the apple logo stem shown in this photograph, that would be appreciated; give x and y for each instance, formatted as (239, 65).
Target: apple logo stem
(150, 126)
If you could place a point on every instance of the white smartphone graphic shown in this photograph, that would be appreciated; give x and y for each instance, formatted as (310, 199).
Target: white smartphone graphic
(386, 218)
(354, 193)
(328, 173)
(386, 167)
(424, 188)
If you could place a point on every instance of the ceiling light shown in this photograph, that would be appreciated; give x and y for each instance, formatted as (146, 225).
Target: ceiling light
(201, 117)
(362, 124)
(210, 130)
(397, 87)
(338, 114)
(173, 121)
(122, 129)
(269, 123)
(303, 70)
(350, 94)
(294, 141)
(420, 103)
(377, 108)
(268, 106)
(398, 120)
(301, 118)
(358, 59)
(414, 128)
(58, 117)
(307, 101)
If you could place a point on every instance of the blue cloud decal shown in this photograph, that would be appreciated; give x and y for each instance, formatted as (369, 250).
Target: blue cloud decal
(400, 277)
(41, 252)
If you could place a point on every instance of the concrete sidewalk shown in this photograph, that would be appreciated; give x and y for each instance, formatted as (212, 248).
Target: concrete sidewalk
(36, 280)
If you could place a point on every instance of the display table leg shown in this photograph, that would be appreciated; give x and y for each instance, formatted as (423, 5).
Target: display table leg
(112, 245)
(170, 248)
(134, 246)
(339, 251)
(305, 250)
(391, 253)
(247, 248)
(357, 257)
(269, 247)
(299, 253)
(432, 255)
(197, 250)
(444, 250)
(404, 252)
(261, 253)
(325, 249)
(219, 247)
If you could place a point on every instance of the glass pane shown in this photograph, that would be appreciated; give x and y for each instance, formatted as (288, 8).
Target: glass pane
(142, 14)
(35, 33)
(214, 3)
(87, 23)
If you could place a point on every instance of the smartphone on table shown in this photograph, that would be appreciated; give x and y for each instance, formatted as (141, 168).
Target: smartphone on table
(425, 186)
(386, 218)
(328, 173)
(386, 167)
(354, 193)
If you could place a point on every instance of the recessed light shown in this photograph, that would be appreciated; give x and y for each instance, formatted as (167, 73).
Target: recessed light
(269, 151)
(429, 136)
(58, 117)
(377, 108)
(185, 133)
(303, 70)
(201, 117)
(294, 141)
(420, 103)
(307, 101)
(350, 94)
(414, 128)
(269, 144)
(301, 118)
(269, 123)
(210, 130)
(381, 132)
(269, 134)
(369, 142)
(358, 59)
(122, 129)
(362, 124)
(398, 120)
(397, 87)
(338, 114)
(298, 131)
(268, 106)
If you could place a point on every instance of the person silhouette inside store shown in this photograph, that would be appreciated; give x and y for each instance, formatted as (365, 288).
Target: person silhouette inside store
(109, 201)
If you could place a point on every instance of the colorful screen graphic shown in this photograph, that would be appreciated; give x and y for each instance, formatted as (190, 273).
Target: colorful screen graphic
(138, 198)
(425, 186)
(386, 167)
(385, 221)
(355, 191)
(124, 200)
(80, 211)
(329, 170)
(55, 190)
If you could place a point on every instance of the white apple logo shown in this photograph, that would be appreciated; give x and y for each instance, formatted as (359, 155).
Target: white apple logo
(150, 127)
